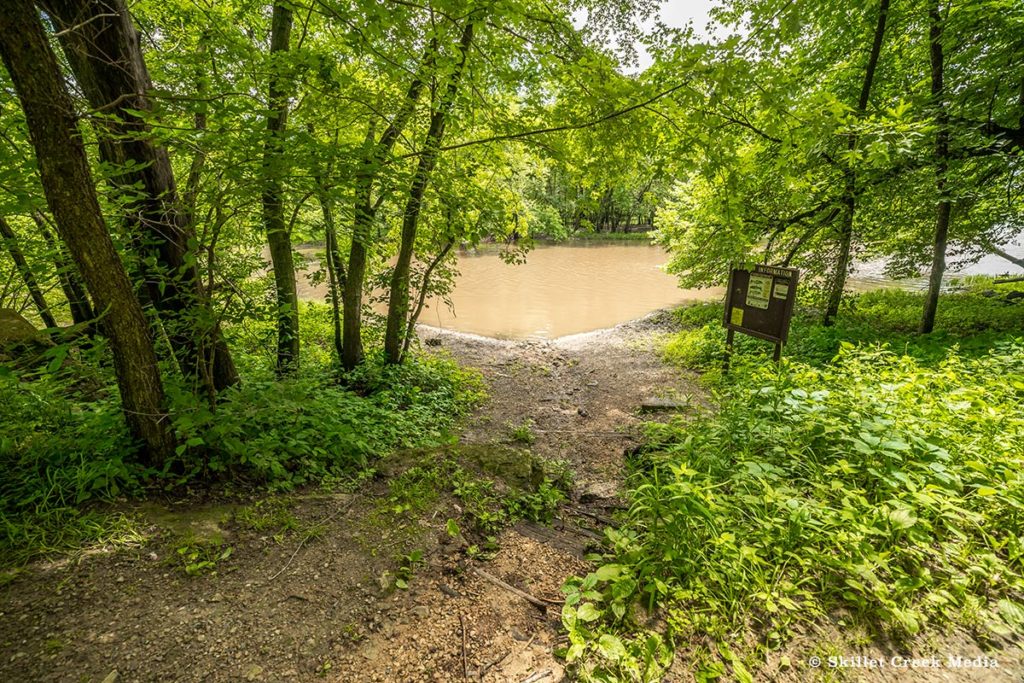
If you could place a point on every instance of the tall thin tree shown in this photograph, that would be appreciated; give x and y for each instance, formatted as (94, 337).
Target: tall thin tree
(849, 197)
(398, 299)
(944, 203)
(10, 240)
(278, 236)
(102, 47)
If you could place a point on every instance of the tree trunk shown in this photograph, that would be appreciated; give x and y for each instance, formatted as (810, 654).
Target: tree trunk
(1003, 254)
(335, 266)
(398, 299)
(944, 206)
(365, 213)
(70, 280)
(102, 48)
(849, 201)
(71, 196)
(278, 237)
(424, 290)
(27, 276)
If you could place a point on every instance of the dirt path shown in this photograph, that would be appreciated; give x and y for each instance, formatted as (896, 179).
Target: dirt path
(303, 594)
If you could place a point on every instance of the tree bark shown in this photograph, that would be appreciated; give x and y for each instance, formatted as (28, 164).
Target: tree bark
(364, 215)
(102, 48)
(1004, 255)
(71, 196)
(278, 236)
(335, 266)
(70, 280)
(27, 276)
(398, 299)
(944, 206)
(849, 198)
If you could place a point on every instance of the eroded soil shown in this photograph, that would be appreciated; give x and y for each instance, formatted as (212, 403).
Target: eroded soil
(312, 599)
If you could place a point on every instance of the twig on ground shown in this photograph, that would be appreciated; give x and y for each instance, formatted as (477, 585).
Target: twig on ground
(499, 661)
(465, 666)
(593, 515)
(539, 676)
(537, 602)
(307, 537)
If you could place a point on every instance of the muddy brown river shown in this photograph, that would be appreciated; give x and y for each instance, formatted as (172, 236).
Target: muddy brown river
(579, 287)
(561, 290)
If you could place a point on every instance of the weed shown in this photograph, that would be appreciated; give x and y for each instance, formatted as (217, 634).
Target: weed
(62, 452)
(407, 565)
(270, 514)
(522, 432)
(879, 485)
(196, 558)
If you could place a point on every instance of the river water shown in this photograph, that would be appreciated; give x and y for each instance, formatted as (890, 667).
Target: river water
(571, 288)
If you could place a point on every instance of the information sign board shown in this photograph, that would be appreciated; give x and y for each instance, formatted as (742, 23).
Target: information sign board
(760, 301)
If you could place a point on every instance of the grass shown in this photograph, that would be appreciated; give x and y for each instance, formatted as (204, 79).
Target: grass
(522, 432)
(884, 481)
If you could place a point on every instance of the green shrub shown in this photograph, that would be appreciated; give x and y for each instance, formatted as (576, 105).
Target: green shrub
(875, 485)
(61, 453)
(966, 320)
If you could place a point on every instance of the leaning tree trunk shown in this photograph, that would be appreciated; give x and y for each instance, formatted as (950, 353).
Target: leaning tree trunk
(944, 207)
(71, 196)
(849, 199)
(335, 266)
(1005, 255)
(278, 237)
(102, 48)
(27, 276)
(398, 299)
(70, 280)
(364, 215)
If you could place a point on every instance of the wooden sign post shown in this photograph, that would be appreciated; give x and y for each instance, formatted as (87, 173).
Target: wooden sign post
(759, 302)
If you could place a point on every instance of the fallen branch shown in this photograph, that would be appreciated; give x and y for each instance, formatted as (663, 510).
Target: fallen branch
(535, 601)
(539, 676)
(465, 666)
(593, 515)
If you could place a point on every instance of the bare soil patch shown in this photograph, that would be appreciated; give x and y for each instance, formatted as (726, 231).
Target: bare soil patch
(308, 596)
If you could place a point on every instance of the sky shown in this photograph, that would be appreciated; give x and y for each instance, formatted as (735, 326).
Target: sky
(677, 14)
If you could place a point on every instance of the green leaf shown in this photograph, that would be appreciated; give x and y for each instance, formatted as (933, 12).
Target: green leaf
(611, 647)
(608, 572)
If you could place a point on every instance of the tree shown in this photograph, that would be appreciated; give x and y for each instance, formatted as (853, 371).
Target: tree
(944, 203)
(27, 276)
(70, 193)
(849, 198)
(398, 302)
(103, 50)
(374, 154)
(278, 236)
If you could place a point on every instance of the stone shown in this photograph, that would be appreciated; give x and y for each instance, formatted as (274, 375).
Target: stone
(15, 328)
(112, 677)
(650, 405)
(254, 672)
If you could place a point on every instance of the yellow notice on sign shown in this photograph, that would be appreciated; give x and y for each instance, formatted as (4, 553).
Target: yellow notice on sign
(736, 317)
